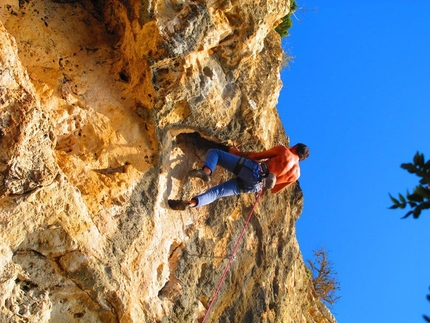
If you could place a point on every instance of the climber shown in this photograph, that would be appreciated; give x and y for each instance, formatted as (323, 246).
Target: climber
(273, 169)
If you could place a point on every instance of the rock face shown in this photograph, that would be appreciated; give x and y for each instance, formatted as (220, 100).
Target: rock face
(104, 107)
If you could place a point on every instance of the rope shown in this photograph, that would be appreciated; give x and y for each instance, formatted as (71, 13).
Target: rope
(231, 258)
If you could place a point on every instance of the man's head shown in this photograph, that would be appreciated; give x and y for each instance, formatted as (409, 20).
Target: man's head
(301, 150)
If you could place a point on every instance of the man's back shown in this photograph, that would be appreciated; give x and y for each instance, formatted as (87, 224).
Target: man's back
(283, 162)
(285, 166)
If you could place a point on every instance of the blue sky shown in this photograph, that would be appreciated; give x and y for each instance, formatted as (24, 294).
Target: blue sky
(358, 94)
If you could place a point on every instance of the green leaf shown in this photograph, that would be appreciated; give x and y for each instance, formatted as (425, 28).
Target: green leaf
(426, 318)
(427, 195)
(394, 200)
(424, 181)
(393, 207)
(402, 199)
(407, 214)
(417, 212)
(422, 160)
(409, 167)
(416, 197)
(422, 191)
(419, 159)
(412, 204)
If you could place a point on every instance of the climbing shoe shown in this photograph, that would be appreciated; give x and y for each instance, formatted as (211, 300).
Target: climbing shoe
(199, 173)
(178, 205)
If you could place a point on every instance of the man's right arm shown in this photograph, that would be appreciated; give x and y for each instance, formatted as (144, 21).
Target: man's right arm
(265, 154)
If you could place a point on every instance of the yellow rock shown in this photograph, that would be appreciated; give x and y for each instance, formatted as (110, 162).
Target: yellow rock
(103, 105)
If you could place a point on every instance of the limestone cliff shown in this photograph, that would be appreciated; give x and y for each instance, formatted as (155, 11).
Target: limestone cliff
(104, 107)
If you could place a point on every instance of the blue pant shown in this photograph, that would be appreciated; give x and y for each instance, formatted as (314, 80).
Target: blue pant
(249, 175)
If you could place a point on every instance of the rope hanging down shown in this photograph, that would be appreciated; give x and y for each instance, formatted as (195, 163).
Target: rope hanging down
(236, 246)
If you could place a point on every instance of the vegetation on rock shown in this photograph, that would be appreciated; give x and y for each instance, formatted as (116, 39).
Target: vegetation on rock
(324, 277)
(287, 22)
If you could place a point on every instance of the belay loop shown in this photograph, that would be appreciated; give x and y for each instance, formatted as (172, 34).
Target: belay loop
(231, 258)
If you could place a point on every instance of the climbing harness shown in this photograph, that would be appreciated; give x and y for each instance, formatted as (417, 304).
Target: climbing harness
(264, 173)
(231, 258)
(238, 166)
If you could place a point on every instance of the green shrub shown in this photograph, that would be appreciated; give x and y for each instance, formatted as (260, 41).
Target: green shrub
(286, 23)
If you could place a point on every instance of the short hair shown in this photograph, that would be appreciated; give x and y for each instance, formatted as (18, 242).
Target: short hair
(302, 151)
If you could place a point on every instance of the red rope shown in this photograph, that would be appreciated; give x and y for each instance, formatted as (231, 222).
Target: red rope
(236, 246)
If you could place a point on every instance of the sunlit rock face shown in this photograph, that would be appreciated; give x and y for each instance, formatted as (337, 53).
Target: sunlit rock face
(104, 108)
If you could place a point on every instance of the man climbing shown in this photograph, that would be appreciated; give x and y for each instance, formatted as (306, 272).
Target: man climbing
(273, 169)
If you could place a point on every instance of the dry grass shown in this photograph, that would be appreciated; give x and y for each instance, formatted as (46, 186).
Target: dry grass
(324, 277)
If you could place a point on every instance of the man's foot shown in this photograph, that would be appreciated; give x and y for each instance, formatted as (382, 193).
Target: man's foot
(178, 205)
(199, 173)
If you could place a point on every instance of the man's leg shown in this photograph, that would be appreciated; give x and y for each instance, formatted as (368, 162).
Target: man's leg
(213, 158)
(222, 190)
(224, 159)
(228, 188)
